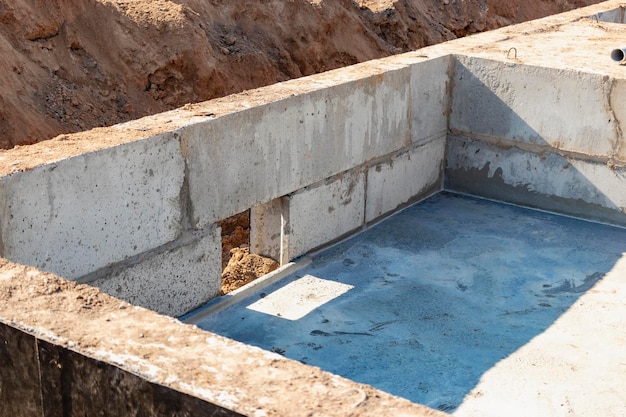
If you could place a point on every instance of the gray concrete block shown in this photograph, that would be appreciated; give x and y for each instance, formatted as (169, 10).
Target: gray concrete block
(250, 157)
(611, 16)
(549, 181)
(321, 214)
(81, 214)
(430, 98)
(173, 282)
(405, 178)
(562, 109)
(267, 222)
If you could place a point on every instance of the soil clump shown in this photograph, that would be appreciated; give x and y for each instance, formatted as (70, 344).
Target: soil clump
(244, 267)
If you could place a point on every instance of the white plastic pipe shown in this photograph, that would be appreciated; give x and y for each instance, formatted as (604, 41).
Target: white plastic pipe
(619, 55)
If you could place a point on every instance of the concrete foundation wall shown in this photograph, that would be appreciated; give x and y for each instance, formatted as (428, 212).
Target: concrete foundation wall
(613, 16)
(277, 148)
(540, 137)
(291, 226)
(566, 110)
(408, 176)
(549, 181)
(253, 156)
(122, 217)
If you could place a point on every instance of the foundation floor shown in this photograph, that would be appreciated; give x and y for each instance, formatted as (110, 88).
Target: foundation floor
(468, 306)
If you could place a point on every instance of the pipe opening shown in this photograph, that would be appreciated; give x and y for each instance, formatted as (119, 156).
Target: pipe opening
(618, 55)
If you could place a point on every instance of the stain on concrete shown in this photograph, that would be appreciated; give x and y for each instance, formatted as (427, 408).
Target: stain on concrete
(477, 182)
(569, 286)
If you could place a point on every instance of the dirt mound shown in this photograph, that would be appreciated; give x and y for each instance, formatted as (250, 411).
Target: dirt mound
(244, 268)
(67, 66)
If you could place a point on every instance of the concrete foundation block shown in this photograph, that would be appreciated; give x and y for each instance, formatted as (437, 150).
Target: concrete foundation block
(562, 109)
(319, 215)
(250, 157)
(405, 178)
(81, 214)
(173, 282)
(38, 378)
(549, 181)
(119, 392)
(430, 82)
(267, 222)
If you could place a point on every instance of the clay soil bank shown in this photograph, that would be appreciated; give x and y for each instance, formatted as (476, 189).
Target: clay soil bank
(68, 66)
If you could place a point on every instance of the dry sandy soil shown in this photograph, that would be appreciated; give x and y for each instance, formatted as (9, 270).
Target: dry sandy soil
(67, 65)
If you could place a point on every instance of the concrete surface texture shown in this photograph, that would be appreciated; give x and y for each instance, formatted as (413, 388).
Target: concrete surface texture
(465, 305)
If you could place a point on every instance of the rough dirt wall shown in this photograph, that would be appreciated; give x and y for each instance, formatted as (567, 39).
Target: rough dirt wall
(67, 66)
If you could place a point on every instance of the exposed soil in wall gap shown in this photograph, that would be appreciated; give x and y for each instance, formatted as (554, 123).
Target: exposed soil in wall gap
(239, 266)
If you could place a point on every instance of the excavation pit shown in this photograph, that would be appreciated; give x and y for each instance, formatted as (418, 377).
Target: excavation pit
(454, 303)
(118, 232)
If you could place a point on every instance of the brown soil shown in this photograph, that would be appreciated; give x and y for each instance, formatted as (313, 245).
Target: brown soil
(67, 66)
(243, 268)
(239, 266)
(235, 233)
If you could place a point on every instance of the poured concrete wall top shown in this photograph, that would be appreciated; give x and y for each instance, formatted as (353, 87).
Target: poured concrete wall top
(114, 204)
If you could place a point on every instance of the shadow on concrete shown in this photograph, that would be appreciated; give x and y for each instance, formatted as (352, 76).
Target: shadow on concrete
(441, 293)
(495, 152)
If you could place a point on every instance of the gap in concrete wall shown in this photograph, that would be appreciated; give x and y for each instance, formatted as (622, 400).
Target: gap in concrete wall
(241, 262)
(235, 233)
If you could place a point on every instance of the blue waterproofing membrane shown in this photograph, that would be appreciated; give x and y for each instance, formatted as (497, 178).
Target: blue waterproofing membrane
(442, 291)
